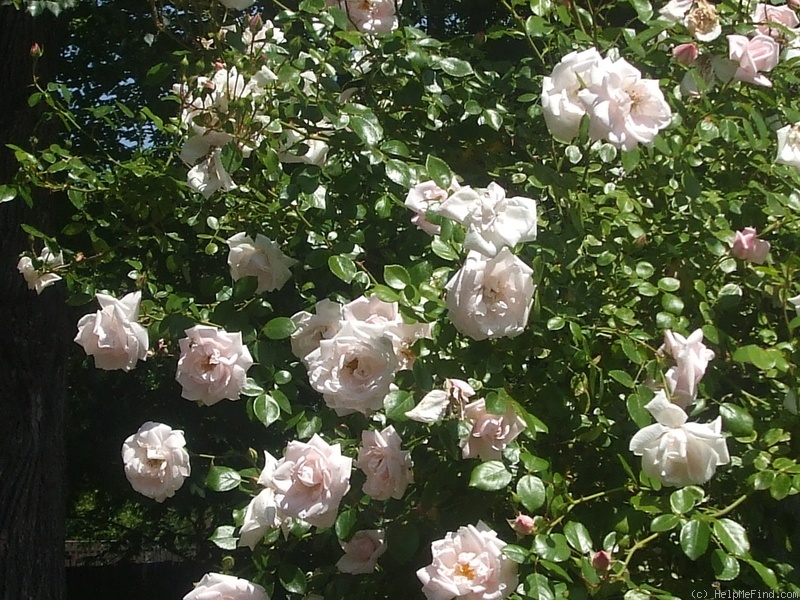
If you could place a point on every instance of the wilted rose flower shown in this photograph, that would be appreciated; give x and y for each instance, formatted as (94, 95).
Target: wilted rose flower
(310, 481)
(624, 108)
(156, 461)
(691, 360)
(387, 466)
(354, 369)
(675, 452)
(702, 21)
(562, 109)
(313, 328)
(369, 16)
(469, 563)
(491, 298)
(213, 364)
(260, 517)
(433, 406)
(112, 334)
(39, 279)
(747, 246)
(260, 258)
(216, 586)
(424, 197)
(753, 55)
(493, 221)
(686, 54)
(789, 146)
(764, 14)
(362, 552)
(489, 434)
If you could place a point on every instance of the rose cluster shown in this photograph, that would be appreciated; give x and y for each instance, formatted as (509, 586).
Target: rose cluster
(623, 107)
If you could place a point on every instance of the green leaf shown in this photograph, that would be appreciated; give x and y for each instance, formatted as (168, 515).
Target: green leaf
(343, 267)
(781, 486)
(251, 388)
(292, 579)
(531, 492)
(223, 537)
(737, 420)
(538, 588)
(664, 523)
(397, 404)
(399, 172)
(556, 323)
(755, 356)
(396, 276)
(369, 131)
(732, 536)
(490, 476)
(669, 284)
(683, 500)
(516, 553)
(622, 377)
(279, 328)
(578, 537)
(455, 67)
(443, 249)
(694, 538)
(222, 479)
(438, 171)
(495, 405)
(345, 523)
(552, 547)
(266, 409)
(767, 575)
(726, 568)
(643, 9)
(7, 193)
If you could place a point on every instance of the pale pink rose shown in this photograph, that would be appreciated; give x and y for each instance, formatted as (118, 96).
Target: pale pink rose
(156, 461)
(753, 55)
(789, 146)
(39, 279)
(310, 481)
(624, 109)
(675, 10)
(371, 310)
(112, 334)
(369, 16)
(702, 21)
(213, 364)
(747, 246)
(691, 360)
(362, 552)
(493, 221)
(424, 197)
(216, 586)
(261, 258)
(470, 564)
(260, 517)
(354, 369)
(387, 466)
(764, 14)
(210, 175)
(675, 452)
(601, 560)
(313, 328)
(686, 54)
(523, 524)
(489, 434)
(237, 4)
(491, 298)
(562, 109)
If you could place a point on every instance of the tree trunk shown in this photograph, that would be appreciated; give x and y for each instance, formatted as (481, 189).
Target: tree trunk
(33, 344)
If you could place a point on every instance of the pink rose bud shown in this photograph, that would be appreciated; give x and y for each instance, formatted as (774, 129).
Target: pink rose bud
(36, 51)
(747, 246)
(523, 524)
(794, 3)
(256, 22)
(601, 560)
(686, 54)
(219, 65)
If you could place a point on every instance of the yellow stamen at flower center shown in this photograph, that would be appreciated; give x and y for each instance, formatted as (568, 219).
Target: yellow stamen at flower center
(464, 570)
(155, 463)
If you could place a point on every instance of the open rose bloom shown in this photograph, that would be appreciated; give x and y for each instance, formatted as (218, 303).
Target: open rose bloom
(387, 466)
(370, 16)
(469, 563)
(213, 364)
(39, 279)
(362, 552)
(678, 453)
(216, 586)
(747, 246)
(261, 258)
(112, 335)
(310, 481)
(489, 434)
(789, 146)
(156, 461)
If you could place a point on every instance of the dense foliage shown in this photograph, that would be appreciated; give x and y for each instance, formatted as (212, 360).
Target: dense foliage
(309, 132)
